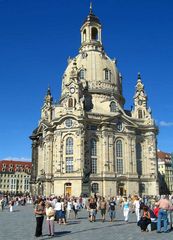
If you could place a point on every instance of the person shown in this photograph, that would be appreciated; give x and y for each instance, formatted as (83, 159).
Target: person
(103, 205)
(145, 219)
(111, 210)
(136, 204)
(63, 212)
(125, 206)
(75, 207)
(50, 214)
(39, 214)
(156, 210)
(69, 208)
(92, 209)
(11, 205)
(58, 210)
(1, 204)
(164, 205)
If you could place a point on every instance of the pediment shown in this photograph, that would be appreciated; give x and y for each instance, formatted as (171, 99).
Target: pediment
(124, 119)
(43, 126)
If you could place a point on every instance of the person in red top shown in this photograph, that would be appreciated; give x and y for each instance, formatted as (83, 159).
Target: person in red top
(156, 211)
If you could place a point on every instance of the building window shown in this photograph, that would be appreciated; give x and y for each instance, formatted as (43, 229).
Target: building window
(119, 156)
(93, 165)
(69, 146)
(84, 35)
(140, 114)
(26, 184)
(95, 188)
(69, 164)
(82, 74)
(93, 150)
(70, 102)
(13, 184)
(107, 74)
(139, 158)
(68, 122)
(69, 153)
(94, 34)
(113, 107)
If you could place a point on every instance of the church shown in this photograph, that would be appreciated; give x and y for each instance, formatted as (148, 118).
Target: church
(87, 142)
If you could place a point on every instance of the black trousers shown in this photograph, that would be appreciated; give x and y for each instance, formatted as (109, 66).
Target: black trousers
(39, 224)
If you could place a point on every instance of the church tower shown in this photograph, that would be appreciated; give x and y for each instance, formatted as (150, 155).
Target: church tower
(87, 142)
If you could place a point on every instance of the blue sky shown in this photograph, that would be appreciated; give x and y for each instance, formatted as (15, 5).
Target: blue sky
(36, 38)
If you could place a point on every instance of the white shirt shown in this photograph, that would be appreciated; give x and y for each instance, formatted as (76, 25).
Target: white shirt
(136, 203)
(58, 206)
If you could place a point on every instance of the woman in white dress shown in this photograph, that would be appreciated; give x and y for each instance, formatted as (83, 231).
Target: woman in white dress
(136, 204)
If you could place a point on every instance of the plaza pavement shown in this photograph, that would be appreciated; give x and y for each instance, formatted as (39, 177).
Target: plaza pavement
(20, 225)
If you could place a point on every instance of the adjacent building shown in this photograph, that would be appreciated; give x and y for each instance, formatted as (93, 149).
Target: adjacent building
(165, 169)
(88, 142)
(15, 177)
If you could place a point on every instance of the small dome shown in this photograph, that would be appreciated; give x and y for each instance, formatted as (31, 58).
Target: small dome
(92, 18)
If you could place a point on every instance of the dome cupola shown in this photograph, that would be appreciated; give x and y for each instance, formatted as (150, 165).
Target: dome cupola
(91, 33)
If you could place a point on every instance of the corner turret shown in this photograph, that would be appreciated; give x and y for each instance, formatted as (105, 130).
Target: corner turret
(140, 109)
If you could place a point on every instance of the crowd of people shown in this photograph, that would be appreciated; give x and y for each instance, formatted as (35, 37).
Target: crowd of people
(148, 210)
(61, 209)
(11, 201)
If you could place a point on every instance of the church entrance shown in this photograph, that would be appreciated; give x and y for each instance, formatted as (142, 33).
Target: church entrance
(68, 189)
(120, 189)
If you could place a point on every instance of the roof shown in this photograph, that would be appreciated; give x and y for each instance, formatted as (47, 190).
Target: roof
(92, 18)
(14, 166)
(163, 155)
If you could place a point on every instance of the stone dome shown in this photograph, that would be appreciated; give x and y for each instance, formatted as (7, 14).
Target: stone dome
(95, 65)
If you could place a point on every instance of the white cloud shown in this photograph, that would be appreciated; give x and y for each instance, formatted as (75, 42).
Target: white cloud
(17, 159)
(165, 124)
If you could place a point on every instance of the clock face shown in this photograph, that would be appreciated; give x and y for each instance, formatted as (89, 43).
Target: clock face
(140, 102)
(72, 89)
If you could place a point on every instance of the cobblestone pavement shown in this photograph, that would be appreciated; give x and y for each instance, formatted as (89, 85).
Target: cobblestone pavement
(20, 225)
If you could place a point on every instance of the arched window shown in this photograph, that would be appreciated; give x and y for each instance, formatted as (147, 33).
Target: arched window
(82, 74)
(70, 102)
(95, 187)
(139, 158)
(69, 155)
(119, 156)
(140, 114)
(94, 34)
(113, 107)
(84, 35)
(93, 152)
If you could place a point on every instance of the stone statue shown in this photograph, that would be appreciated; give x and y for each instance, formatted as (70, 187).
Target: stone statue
(86, 174)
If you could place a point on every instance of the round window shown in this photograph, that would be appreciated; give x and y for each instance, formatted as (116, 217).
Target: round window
(68, 122)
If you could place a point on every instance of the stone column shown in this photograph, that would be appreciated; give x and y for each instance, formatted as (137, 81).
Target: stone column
(34, 169)
(111, 153)
(105, 161)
